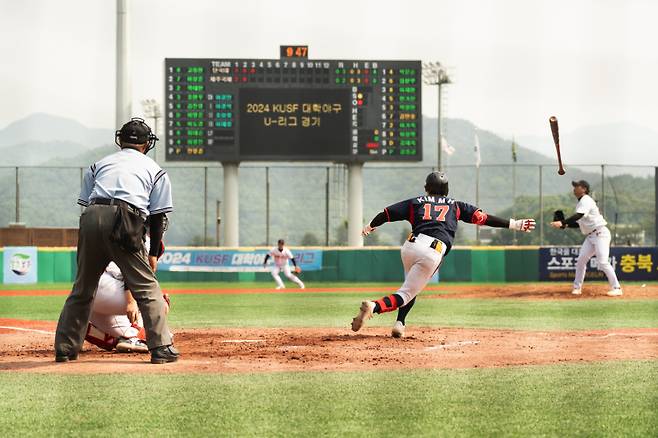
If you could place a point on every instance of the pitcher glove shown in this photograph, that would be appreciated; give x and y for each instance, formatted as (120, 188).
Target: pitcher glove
(298, 269)
(525, 225)
(558, 215)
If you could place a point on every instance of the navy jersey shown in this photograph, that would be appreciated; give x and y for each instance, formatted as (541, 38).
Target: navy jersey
(435, 216)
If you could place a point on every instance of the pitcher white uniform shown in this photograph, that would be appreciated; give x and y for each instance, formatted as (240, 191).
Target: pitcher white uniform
(281, 257)
(597, 243)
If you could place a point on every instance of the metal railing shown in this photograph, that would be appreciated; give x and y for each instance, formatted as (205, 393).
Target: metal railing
(306, 204)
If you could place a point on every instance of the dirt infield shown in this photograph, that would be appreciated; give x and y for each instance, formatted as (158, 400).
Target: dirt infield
(27, 347)
(539, 291)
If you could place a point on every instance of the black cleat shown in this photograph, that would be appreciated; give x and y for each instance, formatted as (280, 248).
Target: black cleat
(164, 354)
(64, 357)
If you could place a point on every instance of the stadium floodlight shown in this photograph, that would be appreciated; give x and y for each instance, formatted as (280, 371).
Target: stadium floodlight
(436, 74)
(152, 111)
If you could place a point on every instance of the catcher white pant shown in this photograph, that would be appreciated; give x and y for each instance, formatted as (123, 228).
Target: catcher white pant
(108, 311)
(420, 262)
(286, 271)
(596, 243)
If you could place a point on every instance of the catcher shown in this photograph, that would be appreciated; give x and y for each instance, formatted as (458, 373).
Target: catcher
(281, 255)
(115, 322)
(597, 243)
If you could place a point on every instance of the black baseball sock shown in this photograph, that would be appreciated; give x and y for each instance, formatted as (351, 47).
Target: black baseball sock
(404, 311)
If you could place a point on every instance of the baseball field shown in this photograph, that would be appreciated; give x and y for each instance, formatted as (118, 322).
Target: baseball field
(477, 360)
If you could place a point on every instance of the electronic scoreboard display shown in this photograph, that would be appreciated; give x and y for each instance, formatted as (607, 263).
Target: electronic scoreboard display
(292, 109)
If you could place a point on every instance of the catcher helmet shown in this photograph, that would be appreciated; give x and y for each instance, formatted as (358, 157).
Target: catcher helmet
(136, 131)
(436, 183)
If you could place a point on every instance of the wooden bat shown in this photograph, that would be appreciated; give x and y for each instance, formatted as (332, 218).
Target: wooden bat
(556, 139)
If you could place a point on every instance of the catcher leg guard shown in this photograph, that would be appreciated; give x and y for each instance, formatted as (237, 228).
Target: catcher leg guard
(141, 332)
(388, 304)
(99, 338)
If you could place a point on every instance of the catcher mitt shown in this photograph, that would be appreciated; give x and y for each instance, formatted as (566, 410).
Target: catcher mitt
(298, 269)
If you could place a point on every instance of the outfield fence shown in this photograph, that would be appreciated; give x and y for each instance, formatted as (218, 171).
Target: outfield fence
(378, 264)
(307, 204)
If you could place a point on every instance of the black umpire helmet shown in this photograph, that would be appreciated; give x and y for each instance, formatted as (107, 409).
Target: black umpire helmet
(136, 131)
(436, 183)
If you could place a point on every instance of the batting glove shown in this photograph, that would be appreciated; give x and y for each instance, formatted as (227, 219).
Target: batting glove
(367, 230)
(525, 225)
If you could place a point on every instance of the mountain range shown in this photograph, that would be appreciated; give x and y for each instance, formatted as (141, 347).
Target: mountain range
(48, 139)
(297, 191)
(42, 138)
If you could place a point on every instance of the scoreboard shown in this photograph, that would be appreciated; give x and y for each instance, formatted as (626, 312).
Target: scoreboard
(292, 109)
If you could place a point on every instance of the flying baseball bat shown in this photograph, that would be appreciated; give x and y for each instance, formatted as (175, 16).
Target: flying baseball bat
(556, 140)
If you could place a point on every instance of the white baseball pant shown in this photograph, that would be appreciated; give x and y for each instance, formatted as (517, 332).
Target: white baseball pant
(108, 311)
(420, 262)
(596, 243)
(286, 271)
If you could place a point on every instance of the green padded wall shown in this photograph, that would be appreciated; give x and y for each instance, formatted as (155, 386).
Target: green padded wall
(486, 264)
(456, 266)
(522, 264)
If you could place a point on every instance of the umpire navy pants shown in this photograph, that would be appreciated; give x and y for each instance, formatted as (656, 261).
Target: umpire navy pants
(95, 251)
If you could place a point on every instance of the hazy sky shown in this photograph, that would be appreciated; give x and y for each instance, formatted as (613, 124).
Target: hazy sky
(514, 63)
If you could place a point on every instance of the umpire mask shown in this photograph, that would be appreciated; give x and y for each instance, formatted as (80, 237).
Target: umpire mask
(137, 132)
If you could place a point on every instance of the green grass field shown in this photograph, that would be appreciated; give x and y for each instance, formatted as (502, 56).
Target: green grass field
(616, 398)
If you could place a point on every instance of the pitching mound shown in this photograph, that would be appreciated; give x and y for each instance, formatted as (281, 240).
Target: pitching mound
(27, 346)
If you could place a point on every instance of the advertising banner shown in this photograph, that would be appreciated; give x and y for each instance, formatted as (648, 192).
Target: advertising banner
(20, 264)
(189, 260)
(558, 263)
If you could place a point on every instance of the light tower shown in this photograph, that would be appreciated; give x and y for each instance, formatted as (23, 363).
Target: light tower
(435, 74)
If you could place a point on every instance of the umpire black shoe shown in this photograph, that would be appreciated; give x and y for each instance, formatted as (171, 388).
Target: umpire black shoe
(164, 354)
(65, 357)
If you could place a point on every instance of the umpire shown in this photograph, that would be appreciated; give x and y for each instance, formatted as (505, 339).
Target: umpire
(120, 192)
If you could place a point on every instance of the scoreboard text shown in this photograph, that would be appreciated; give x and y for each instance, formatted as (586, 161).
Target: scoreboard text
(248, 110)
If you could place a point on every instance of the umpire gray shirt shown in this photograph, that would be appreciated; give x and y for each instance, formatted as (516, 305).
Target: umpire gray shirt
(131, 176)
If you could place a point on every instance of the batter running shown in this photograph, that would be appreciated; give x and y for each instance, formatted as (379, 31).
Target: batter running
(433, 219)
(597, 243)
